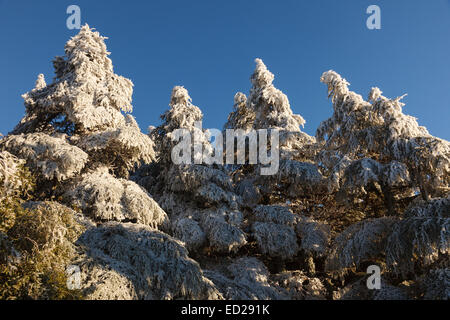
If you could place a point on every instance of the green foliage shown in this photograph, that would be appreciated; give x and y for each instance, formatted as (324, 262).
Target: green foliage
(36, 245)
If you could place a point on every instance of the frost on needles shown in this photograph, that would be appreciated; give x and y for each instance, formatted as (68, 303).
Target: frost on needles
(80, 184)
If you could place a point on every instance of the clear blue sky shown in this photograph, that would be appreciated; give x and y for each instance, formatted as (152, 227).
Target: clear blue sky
(210, 46)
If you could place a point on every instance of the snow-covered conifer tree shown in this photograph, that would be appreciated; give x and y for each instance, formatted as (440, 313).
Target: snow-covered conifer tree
(393, 153)
(80, 184)
(268, 108)
(83, 107)
(77, 140)
(198, 196)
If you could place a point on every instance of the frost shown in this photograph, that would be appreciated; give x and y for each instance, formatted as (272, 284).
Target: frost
(390, 292)
(436, 284)
(52, 157)
(85, 89)
(122, 148)
(101, 281)
(372, 187)
(268, 108)
(314, 235)
(425, 236)
(223, 236)
(181, 115)
(299, 175)
(198, 192)
(412, 242)
(246, 278)
(366, 172)
(298, 286)
(439, 208)
(272, 109)
(275, 240)
(358, 291)
(156, 264)
(378, 127)
(106, 198)
(249, 193)
(11, 171)
(275, 214)
(206, 184)
(242, 117)
(190, 232)
(85, 102)
(53, 225)
(360, 242)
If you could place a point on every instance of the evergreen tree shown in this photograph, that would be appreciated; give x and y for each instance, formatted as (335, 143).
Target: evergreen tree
(83, 108)
(81, 184)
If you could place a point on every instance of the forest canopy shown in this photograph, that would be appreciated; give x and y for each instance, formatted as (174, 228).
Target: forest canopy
(81, 185)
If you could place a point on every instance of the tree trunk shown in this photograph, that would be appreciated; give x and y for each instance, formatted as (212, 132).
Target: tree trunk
(389, 200)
